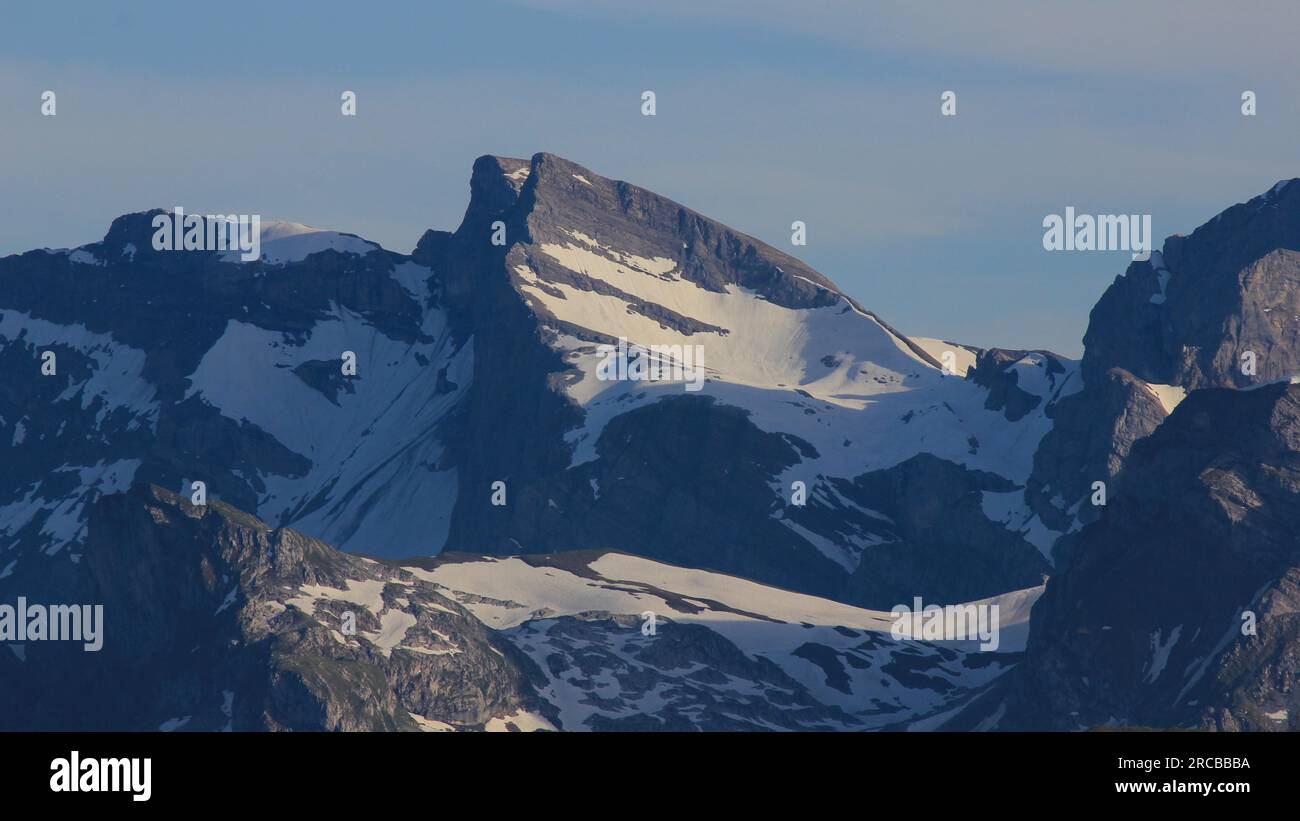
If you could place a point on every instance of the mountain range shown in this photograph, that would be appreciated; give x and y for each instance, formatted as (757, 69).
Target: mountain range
(516, 541)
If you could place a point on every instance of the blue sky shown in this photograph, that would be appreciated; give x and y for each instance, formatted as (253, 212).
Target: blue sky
(768, 112)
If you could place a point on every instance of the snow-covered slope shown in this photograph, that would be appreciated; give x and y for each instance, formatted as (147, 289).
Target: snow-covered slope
(858, 378)
(724, 652)
(375, 435)
(307, 386)
(283, 242)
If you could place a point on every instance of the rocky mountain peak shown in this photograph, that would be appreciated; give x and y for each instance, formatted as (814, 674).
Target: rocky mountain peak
(1188, 315)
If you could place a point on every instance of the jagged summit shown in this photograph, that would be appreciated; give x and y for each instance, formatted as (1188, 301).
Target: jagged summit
(1217, 308)
(543, 195)
(1186, 316)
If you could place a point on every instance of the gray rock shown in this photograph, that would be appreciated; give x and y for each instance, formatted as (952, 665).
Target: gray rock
(216, 618)
(1144, 626)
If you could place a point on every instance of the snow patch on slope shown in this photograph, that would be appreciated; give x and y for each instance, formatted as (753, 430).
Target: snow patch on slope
(374, 483)
(793, 631)
(284, 242)
(833, 376)
(116, 380)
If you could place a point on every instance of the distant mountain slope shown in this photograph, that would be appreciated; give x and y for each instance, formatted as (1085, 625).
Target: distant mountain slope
(172, 367)
(726, 653)
(827, 464)
(214, 620)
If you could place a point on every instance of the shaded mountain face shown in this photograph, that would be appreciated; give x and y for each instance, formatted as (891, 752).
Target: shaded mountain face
(1218, 308)
(478, 417)
(173, 367)
(1188, 315)
(213, 620)
(1174, 603)
(1181, 607)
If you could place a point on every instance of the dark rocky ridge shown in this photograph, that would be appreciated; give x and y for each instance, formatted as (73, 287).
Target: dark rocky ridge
(204, 601)
(215, 621)
(1233, 285)
(1144, 625)
(1142, 622)
(1091, 436)
(1182, 318)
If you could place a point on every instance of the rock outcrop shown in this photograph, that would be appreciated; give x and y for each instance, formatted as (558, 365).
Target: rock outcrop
(215, 620)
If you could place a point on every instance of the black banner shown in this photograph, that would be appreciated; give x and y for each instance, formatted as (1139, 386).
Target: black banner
(135, 772)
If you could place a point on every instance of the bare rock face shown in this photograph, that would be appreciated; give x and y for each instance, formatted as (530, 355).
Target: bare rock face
(214, 620)
(1149, 623)
(1003, 382)
(1218, 308)
(1142, 622)
(936, 521)
(1186, 316)
(1091, 435)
